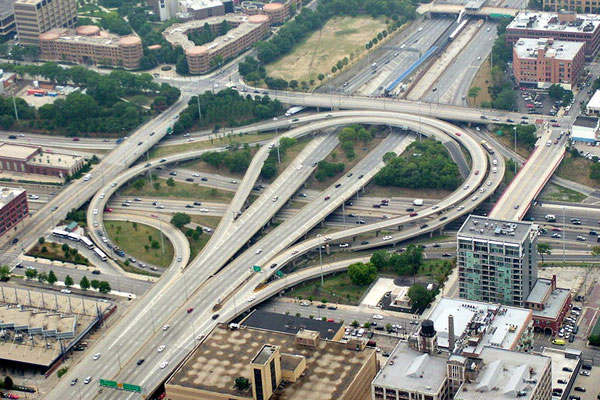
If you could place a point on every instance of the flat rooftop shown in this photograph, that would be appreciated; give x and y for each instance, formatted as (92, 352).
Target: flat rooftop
(504, 374)
(559, 49)
(500, 325)
(491, 229)
(177, 34)
(7, 194)
(291, 324)
(55, 160)
(31, 322)
(199, 4)
(6, 8)
(226, 354)
(561, 359)
(586, 122)
(594, 102)
(549, 21)
(17, 151)
(553, 303)
(413, 370)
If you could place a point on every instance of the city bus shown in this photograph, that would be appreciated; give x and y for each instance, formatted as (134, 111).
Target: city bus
(87, 242)
(100, 254)
(60, 233)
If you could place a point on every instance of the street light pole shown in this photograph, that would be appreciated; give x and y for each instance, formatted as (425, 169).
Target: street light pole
(563, 233)
(321, 264)
(515, 131)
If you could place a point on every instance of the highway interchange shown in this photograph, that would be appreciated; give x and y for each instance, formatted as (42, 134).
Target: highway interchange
(218, 283)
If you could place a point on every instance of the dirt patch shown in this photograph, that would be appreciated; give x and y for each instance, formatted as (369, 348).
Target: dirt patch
(340, 37)
(576, 169)
(482, 80)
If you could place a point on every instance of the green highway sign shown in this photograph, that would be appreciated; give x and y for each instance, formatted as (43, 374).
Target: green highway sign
(132, 388)
(256, 268)
(279, 273)
(107, 383)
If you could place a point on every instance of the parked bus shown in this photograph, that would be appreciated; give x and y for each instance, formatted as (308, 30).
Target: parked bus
(100, 254)
(60, 233)
(74, 237)
(87, 242)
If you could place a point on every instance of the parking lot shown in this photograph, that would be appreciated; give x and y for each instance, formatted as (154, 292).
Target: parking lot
(591, 384)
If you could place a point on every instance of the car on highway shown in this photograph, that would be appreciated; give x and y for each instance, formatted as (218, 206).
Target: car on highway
(215, 316)
(161, 348)
(556, 235)
(584, 373)
(251, 299)
(189, 310)
(476, 172)
(163, 364)
(179, 259)
(65, 291)
(474, 198)
(387, 237)
(579, 389)
(96, 272)
(305, 304)
(344, 245)
(446, 255)
(350, 174)
(258, 251)
(74, 381)
(189, 179)
(465, 187)
(95, 212)
(87, 380)
(204, 210)
(275, 198)
(378, 316)
(337, 185)
(327, 198)
(114, 184)
(413, 214)
(581, 238)
(295, 252)
(140, 361)
(96, 356)
(165, 327)
(360, 176)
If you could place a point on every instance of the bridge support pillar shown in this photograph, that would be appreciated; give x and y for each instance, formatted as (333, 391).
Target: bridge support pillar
(323, 224)
(327, 249)
(431, 234)
(354, 238)
(441, 230)
(399, 227)
(377, 233)
(294, 262)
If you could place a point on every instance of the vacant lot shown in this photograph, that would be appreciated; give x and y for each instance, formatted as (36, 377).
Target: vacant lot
(136, 240)
(576, 169)
(337, 288)
(340, 37)
(482, 80)
(222, 140)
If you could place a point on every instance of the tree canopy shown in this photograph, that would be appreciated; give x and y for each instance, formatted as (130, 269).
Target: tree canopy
(424, 164)
(180, 219)
(362, 274)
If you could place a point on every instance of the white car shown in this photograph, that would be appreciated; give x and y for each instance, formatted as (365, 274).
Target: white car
(275, 198)
(481, 190)
(101, 195)
(95, 212)
(388, 237)
(161, 348)
(196, 175)
(65, 291)
(299, 167)
(34, 197)
(104, 239)
(460, 208)
(96, 356)
(377, 316)
(344, 245)
(294, 252)
(95, 224)
(163, 364)
(305, 304)
(465, 187)
(251, 299)
(204, 210)
(164, 328)
(233, 181)
(114, 184)
(474, 198)
(258, 251)
(87, 380)
(489, 183)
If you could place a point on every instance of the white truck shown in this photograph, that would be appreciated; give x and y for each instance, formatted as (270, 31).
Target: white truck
(417, 202)
(550, 218)
(293, 110)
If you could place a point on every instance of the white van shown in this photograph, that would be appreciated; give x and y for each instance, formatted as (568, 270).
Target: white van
(495, 162)
(87, 177)
(494, 169)
(549, 143)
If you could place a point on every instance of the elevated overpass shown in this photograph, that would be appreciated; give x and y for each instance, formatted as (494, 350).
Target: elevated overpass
(484, 12)
(531, 179)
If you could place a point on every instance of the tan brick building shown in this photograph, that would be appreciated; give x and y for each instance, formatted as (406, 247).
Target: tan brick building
(88, 44)
(246, 32)
(543, 62)
(34, 17)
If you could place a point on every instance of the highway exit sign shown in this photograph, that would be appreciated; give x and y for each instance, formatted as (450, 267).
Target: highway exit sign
(256, 268)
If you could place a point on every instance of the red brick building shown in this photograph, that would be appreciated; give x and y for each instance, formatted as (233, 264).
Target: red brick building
(13, 208)
(549, 304)
(543, 62)
(30, 159)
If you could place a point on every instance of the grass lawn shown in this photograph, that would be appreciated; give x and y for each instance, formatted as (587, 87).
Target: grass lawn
(54, 251)
(576, 169)
(223, 140)
(196, 246)
(596, 330)
(340, 37)
(374, 190)
(181, 190)
(338, 288)
(559, 193)
(482, 80)
(338, 156)
(132, 238)
(206, 220)
(508, 140)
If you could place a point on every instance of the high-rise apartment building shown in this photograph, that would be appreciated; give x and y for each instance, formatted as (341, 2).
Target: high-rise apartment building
(497, 260)
(34, 17)
(7, 18)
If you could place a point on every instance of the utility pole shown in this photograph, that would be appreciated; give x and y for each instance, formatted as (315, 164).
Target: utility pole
(15, 104)
(199, 110)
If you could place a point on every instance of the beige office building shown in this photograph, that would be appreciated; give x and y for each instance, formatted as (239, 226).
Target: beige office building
(246, 32)
(88, 44)
(34, 17)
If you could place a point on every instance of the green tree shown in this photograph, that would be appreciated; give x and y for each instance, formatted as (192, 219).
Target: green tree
(320, 77)
(474, 92)
(355, 324)
(170, 182)
(362, 274)
(367, 325)
(8, 383)
(242, 383)
(65, 247)
(380, 259)
(4, 272)
(61, 372)
(52, 277)
(544, 248)
(84, 283)
(42, 277)
(95, 284)
(104, 287)
(595, 171)
(31, 273)
(180, 219)
(419, 296)
(41, 240)
(139, 183)
(69, 281)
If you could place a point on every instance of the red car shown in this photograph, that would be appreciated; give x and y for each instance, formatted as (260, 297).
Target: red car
(476, 172)
(457, 133)
(413, 214)
(76, 139)
(555, 229)
(108, 210)
(330, 320)
(189, 310)
(556, 124)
